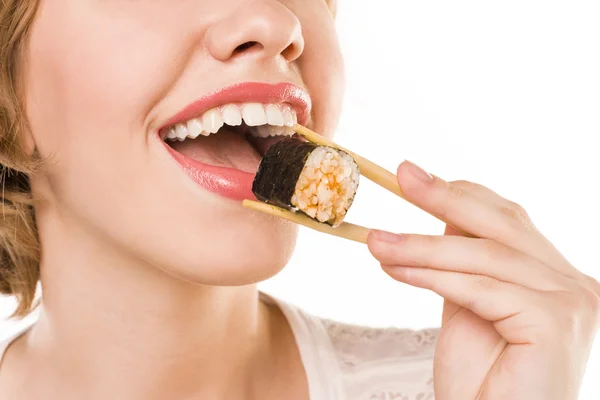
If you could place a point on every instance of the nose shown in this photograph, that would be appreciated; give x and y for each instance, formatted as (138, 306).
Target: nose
(264, 27)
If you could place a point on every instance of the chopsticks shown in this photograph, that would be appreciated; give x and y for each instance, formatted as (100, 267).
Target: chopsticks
(368, 169)
(345, 230)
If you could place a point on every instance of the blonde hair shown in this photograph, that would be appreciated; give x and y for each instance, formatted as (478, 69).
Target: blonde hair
(19, 247)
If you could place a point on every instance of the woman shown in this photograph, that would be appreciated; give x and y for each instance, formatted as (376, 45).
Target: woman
(148, 262)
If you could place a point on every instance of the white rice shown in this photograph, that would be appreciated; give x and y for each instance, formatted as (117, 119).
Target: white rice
(327, 185)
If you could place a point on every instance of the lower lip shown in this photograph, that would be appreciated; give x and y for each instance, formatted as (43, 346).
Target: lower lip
(226, 182)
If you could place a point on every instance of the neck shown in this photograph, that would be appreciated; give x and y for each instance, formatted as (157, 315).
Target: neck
(144, 334)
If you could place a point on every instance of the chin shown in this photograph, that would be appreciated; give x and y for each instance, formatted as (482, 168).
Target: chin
(242, 254)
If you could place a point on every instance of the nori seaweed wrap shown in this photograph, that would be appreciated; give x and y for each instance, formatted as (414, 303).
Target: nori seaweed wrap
(318, 181)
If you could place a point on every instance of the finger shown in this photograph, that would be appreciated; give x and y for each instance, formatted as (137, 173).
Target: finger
(577, 276)
(453, 204)
(450, 231)
(477, 190)
(512, 210)
(507, 305)
(449, 310)
(509, 225)
(466, 255)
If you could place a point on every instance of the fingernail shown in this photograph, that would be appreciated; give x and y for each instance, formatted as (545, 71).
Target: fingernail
(387, 237)
(419, 172)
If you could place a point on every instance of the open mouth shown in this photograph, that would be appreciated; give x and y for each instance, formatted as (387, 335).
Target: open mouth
(233, 135)
(219, 139)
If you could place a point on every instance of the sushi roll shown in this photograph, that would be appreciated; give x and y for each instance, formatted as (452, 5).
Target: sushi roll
(318, 181)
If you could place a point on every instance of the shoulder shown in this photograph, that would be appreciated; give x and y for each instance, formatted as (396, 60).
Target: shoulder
(370, 363)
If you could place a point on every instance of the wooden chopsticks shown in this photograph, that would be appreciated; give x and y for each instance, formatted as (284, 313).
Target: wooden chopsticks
(368, 169)
(345, 230)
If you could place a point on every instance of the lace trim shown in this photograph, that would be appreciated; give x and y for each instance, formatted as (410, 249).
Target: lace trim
(400, 396)
(425, 392)
(357, 345)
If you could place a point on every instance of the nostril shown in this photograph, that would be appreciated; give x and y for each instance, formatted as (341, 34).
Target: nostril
(245, 46)
(291, 52)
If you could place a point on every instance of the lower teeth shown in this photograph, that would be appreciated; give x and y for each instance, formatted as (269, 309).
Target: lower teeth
(265, 131)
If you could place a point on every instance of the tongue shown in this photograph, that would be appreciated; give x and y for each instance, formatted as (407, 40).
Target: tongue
(224, 149)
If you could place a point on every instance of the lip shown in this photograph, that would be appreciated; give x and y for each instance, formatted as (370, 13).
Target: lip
(230, 182)
(248, 92)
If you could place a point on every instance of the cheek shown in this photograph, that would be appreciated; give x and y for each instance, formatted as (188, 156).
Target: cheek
(88, 94)
(322, 65)
(89, 89)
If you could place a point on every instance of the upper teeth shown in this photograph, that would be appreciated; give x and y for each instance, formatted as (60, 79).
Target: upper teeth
(267, 120)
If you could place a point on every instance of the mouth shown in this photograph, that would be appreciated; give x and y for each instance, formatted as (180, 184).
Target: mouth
(221, 147)
(233, 135)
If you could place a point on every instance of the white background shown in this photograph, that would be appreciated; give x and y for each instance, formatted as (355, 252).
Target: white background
(506, 94)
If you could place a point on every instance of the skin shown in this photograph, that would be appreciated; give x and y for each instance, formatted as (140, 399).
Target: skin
(518, 319)
(138, 269)
(145, 297)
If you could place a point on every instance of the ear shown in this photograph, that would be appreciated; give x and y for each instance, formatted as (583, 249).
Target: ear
(27, 139)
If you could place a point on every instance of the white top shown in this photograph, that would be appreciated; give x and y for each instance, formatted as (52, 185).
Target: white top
(345, 362)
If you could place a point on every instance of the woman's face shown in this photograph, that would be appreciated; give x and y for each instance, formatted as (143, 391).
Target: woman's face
(105, 80)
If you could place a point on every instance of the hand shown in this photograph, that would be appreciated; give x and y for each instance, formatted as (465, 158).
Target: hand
(518, 320)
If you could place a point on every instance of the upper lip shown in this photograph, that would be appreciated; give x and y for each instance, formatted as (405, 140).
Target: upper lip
(248, 92)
